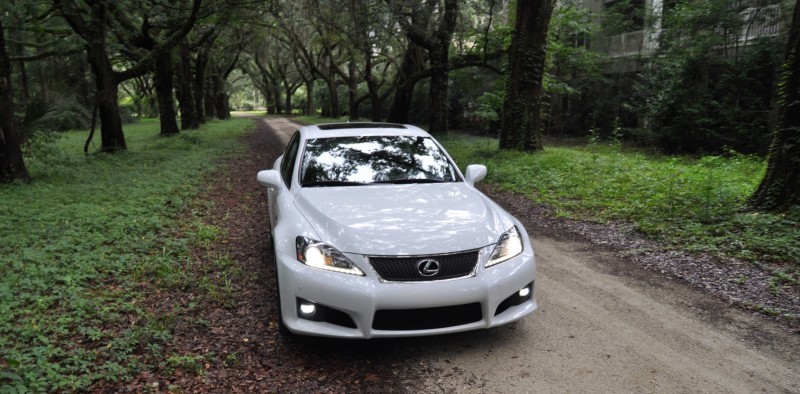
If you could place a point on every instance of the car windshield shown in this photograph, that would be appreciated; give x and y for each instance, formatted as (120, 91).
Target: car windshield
(342, 161)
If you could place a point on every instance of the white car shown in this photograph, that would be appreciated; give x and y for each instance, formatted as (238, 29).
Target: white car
(377, 233)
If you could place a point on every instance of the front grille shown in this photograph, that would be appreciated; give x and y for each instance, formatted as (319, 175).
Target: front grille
(427, 318)
(406, 269)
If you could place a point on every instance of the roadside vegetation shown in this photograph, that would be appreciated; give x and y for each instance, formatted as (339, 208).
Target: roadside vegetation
(690, 203)
(87, 241)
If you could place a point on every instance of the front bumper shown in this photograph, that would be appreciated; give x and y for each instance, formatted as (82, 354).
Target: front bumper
(360, 297)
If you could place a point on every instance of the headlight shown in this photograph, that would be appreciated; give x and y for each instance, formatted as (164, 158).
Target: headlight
(321, 255)
(509, 245)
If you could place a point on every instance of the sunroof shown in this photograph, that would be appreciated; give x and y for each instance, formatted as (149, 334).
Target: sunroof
(363, 125)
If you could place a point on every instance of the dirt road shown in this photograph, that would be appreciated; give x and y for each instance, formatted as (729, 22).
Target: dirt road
(604, 325)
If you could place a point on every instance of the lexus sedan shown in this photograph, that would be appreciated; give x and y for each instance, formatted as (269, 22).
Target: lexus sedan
(377, 233)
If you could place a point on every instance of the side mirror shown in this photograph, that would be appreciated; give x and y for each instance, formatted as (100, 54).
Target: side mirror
(474, 173)
(269, 178)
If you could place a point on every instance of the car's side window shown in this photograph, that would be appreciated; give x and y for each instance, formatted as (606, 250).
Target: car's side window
(287, 165)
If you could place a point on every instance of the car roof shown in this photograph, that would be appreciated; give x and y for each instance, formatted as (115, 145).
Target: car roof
(347, 129)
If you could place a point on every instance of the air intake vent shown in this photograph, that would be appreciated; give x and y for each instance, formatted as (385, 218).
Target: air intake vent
(427, 318)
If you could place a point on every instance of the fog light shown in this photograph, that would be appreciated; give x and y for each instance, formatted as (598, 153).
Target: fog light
(524, 292)
(308, 309)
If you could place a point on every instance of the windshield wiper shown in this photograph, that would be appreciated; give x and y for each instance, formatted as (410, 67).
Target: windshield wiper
(403, 181)
(333, 183)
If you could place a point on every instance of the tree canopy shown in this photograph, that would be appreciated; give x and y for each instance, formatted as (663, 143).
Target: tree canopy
(683, 77)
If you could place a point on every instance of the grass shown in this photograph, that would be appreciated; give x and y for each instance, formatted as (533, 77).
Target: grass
(85, 241)
(696, 204)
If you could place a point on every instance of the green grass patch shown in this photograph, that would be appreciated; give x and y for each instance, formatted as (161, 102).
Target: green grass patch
(83, 242)
(692, 203)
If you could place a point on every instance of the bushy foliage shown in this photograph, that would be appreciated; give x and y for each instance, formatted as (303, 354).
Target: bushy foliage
(573, 71)
(127, 114)
(476, 98)
(568, 52)
(706, 90)
(36, 139)
(322, 99)
(623, 16)
(68, 114)
(487, 114)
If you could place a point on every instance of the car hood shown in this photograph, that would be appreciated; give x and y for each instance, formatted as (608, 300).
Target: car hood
(402, 219)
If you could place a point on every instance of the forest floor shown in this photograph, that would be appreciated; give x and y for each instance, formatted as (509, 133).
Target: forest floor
(645, 325)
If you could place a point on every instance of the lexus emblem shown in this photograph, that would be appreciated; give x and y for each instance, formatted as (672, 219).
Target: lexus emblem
(428, 267)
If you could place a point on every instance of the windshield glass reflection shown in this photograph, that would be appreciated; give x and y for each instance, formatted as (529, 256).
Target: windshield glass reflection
(340, 161)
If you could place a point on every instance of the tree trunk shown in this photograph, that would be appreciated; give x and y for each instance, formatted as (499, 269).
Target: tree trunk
(401, 104)
(309, 97)
(780, 188)
(166, 103)
(102, 19)
(440, 65)
(23, 78)
(276, 93)
(288, 109)
(521, 119)
(221, 106)
(152, 106)
(83, 85)
(12, 165)
(270, 100)
(352, 92)
(372, 88)
(24, 83)
(199, 86)
(352, 101)
(94, 32)
(438, 45)
(376, 104)
(43, 87)
(440, 106)
(186, 99)
(220, 98)
(333, 92)
(209, 100)
(111, 135)
(263, 84)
